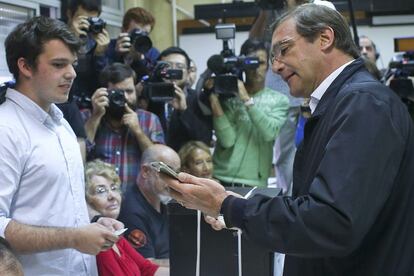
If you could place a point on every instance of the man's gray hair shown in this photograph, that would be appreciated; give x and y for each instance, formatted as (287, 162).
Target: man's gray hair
(312, 19)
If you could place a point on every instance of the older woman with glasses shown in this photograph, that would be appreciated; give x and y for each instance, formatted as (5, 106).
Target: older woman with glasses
(103, 194)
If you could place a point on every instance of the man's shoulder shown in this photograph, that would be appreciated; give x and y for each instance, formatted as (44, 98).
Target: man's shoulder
(362, 83)
(133, 200)
(146, 115)
(10, 115)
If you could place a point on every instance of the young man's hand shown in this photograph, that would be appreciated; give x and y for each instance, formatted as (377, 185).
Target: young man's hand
(102, 41)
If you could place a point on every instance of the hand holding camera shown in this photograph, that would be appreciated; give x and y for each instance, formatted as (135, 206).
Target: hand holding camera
(179, 102)
(100, 102)
(130, 120)
(80, 26)
(123, 44)
(137, 40)
(243, 95)
(102, 41)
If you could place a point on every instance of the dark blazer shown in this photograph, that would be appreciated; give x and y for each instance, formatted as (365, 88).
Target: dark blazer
(353, 192)
(188, 125)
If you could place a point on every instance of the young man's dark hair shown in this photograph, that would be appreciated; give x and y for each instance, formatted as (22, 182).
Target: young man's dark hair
(89, 5)
(252, 45)
(116, 73)
(27, 41)
(175, 50)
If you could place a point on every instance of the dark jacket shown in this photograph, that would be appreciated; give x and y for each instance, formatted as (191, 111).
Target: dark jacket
(190, 124)
(353, 192)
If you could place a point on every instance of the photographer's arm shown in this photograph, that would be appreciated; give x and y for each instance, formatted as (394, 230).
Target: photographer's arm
(226, 136)
(259, 26)
(99, 103)
(130, 119)
(79, 25)
(216, 108)
(102, 42)
(269, 121)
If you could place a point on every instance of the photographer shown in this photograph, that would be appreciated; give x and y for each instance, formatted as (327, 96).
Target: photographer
(247, 125)
(186, 121)
(133, 46)
(82, 18)
(118, 130)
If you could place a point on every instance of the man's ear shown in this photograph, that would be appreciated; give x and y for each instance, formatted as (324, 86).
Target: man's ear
(145, 170)
(25, 69)
(327, 38)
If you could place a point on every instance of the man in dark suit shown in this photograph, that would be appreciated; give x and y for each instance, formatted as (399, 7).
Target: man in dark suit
(350, 211)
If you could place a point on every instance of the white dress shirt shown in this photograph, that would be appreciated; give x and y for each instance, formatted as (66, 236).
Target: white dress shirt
(42, 181)
(316, 95)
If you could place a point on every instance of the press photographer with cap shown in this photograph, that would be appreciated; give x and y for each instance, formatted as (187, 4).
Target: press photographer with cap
(350, 210)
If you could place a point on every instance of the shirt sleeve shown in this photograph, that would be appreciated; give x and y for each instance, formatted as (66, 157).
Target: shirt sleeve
(156, 132)
(225, 132)
(269, 122)
(12, 152)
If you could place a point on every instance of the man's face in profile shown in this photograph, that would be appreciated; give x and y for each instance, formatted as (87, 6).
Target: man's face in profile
(52, 75)
(296, 60)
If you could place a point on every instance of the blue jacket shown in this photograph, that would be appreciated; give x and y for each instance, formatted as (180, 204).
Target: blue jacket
(353, 192)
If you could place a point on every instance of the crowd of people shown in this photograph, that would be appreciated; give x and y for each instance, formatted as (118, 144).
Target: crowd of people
(87, 116)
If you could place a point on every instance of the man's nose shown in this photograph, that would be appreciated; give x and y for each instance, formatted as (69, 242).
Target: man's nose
(71, 73)
(277, 66)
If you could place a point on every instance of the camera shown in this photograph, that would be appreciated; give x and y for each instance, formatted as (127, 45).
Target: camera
(140, 40)
(226, 66)
(96, 25)
(156, 89)
(117, 101)
(401, 71)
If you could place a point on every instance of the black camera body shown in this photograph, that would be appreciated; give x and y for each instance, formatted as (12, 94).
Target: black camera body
(228, 67)
(117, 101)
(96, 25)
(140, 40)
(156, 89)
(401, 71)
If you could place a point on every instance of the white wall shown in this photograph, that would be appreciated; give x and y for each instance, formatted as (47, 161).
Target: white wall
(201, 46)
(383, 38)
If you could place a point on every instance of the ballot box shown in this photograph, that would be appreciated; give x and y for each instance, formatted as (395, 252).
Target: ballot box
(221, 253)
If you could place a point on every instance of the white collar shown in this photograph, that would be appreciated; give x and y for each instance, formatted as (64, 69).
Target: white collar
(317, 94)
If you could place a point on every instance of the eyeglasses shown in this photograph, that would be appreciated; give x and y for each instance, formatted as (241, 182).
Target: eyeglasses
(102, 191)
(176, 65)
(281, 48)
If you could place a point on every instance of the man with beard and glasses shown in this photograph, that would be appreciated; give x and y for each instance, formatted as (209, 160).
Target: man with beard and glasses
(144, 209)
(118, 132)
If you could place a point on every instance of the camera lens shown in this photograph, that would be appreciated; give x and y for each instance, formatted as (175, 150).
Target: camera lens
(142, 43)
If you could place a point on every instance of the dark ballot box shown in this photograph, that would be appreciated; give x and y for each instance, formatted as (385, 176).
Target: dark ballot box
(219, 253)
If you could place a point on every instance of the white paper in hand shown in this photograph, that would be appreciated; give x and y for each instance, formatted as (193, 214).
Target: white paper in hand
(119, 232)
